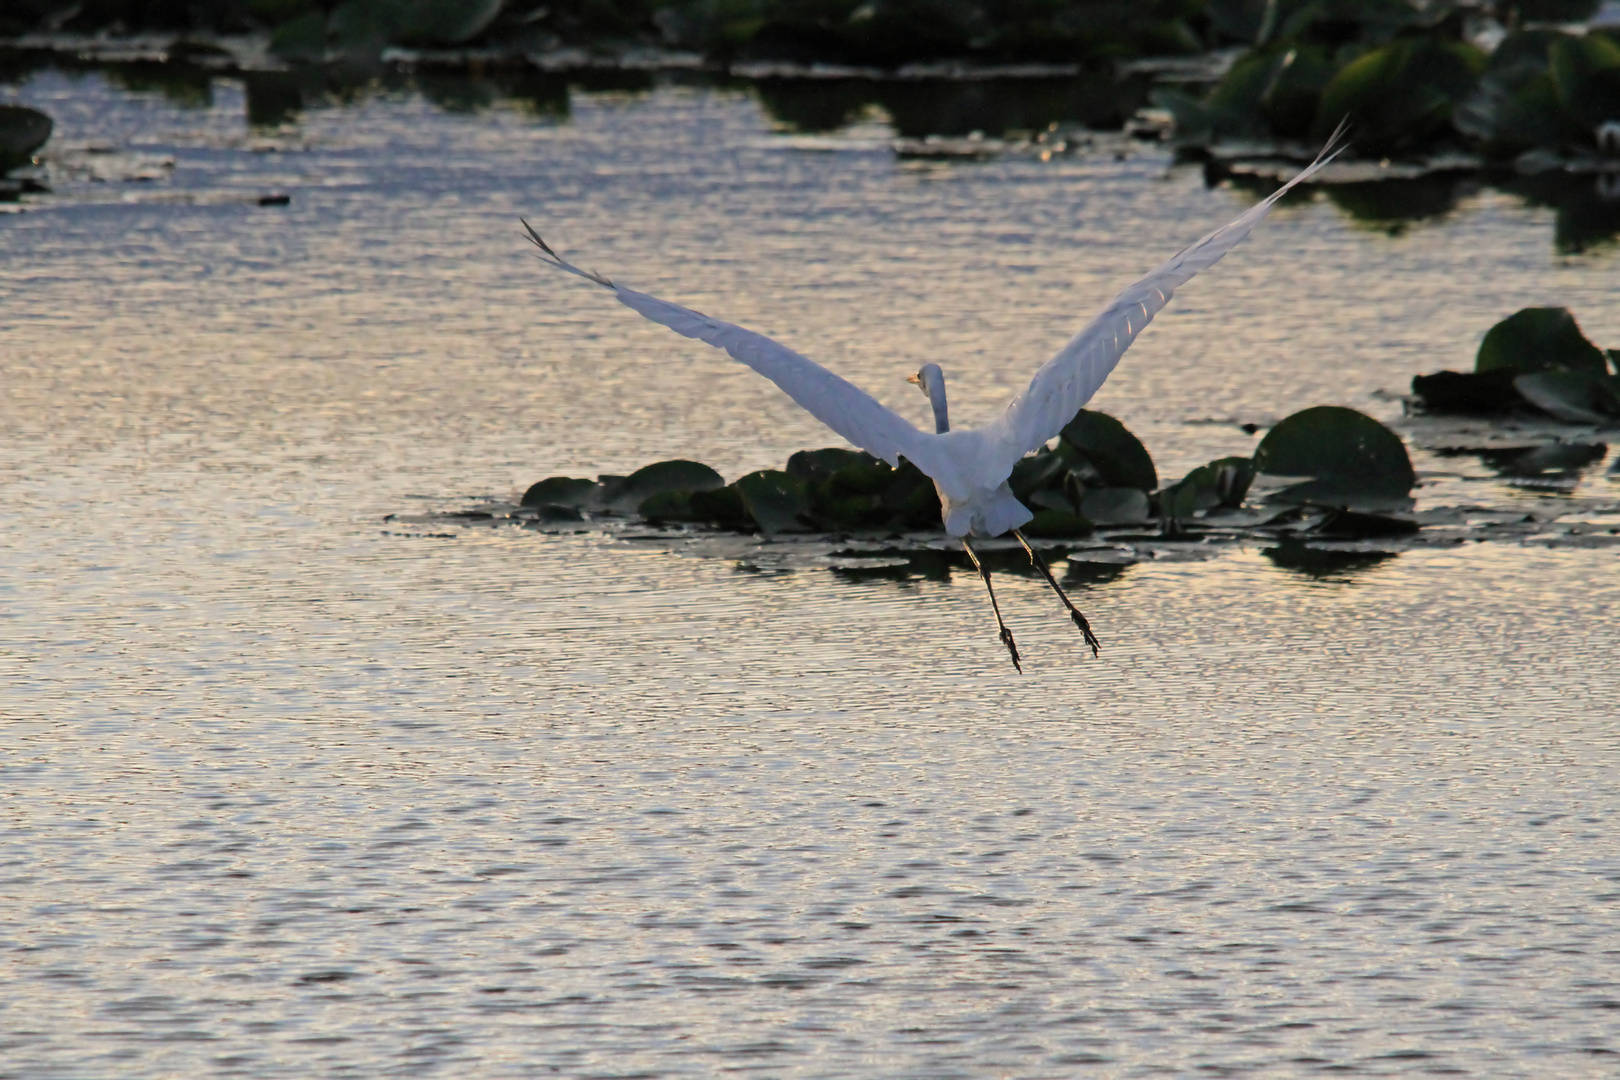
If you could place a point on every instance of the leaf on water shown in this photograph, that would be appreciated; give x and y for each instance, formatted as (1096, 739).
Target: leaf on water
(776, 501)
(661, 476)
(912, 498)
(1538, 339)
(1223, 482)
(1119, 457)
(668, 506)
(722, 506)
(445, 22)
(560, 491)
(811, 465)
(1354, 461)
(1574, 396)
(1116, 506)
(1468, 392)
(1586, 72)
(1057, 524)
(1350, 524)
(1401, 94)
(1557, 457)
(1033, 472)
(22, 131)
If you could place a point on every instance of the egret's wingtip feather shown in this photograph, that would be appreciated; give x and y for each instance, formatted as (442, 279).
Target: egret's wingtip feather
(538, 242)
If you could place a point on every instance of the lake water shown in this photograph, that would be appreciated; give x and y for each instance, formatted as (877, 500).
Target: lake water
(288, 791)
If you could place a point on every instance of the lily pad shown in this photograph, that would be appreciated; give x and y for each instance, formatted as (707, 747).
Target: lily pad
(22, 131)
(1400, 95)
(1116, 506)
(1556, 457)
(668, 506)
(722, 506)
(1035, 472)
(912, 498)
(1117, 456)
(775, 500)
(820, 464)
(446, 22)
(1468, 392)
(1354, 525)
(1221, 483)
(1578, 397)
(1056, 524)
(650, 480)
(1539, 339)
(560, 491)
(1353, 461)
(1586, 72)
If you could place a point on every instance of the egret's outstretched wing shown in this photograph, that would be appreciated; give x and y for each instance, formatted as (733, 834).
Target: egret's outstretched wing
(836, 402)
(1068, 380)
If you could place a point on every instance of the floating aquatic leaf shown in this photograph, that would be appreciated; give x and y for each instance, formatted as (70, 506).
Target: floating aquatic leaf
(777, 501)
(22, 131)
(812, 465)
(1223, 482)
(1354, 525)
(721, 506)
(1050, 499)
(912, 498)
(1586, 72)
(1056, 525)
(668, 506)
(1468, 392)
(1556, 457)
(302, 39)
(1400, 95)
(677, 475)
(1033, 472)
(1538, 339)
(445, 22)
(552, 514)
(1353, 460)
(1118, 457)
(560, 491)
(1578, 397)
(1116, 506)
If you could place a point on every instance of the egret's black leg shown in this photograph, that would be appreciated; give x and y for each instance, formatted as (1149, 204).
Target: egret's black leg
(1006, 634)
(1074, 612)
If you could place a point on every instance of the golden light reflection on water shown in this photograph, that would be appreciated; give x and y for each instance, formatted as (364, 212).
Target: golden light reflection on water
(293, 795)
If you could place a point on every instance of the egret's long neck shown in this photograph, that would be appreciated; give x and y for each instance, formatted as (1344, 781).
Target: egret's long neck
(936, 398)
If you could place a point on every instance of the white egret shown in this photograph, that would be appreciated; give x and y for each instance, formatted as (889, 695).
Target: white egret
(969, 466)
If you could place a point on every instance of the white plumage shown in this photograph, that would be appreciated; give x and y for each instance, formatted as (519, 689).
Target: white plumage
(969, 466)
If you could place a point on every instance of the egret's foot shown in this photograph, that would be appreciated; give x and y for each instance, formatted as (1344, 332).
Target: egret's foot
(1085, 628)
(1074, 612)
(1012, 647)
(1006, 634)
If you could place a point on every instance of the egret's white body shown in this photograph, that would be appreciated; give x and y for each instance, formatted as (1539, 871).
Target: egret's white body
(969, 466)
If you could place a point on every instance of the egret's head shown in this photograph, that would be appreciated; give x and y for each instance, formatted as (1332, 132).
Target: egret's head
(931, 381)
(928, 376)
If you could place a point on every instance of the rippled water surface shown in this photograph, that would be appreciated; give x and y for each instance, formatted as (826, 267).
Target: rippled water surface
(288, 793)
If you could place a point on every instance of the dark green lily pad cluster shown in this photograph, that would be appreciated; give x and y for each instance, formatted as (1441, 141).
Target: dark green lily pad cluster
(1407, 81)
(1098, 476)
(1535, 360)
(22, 131)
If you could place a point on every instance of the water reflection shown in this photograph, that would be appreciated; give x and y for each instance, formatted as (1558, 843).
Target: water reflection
(922, 107)
(1336, 566)
(1587, 206)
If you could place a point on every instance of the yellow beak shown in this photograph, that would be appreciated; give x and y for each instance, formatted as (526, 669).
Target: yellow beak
(915, 379)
